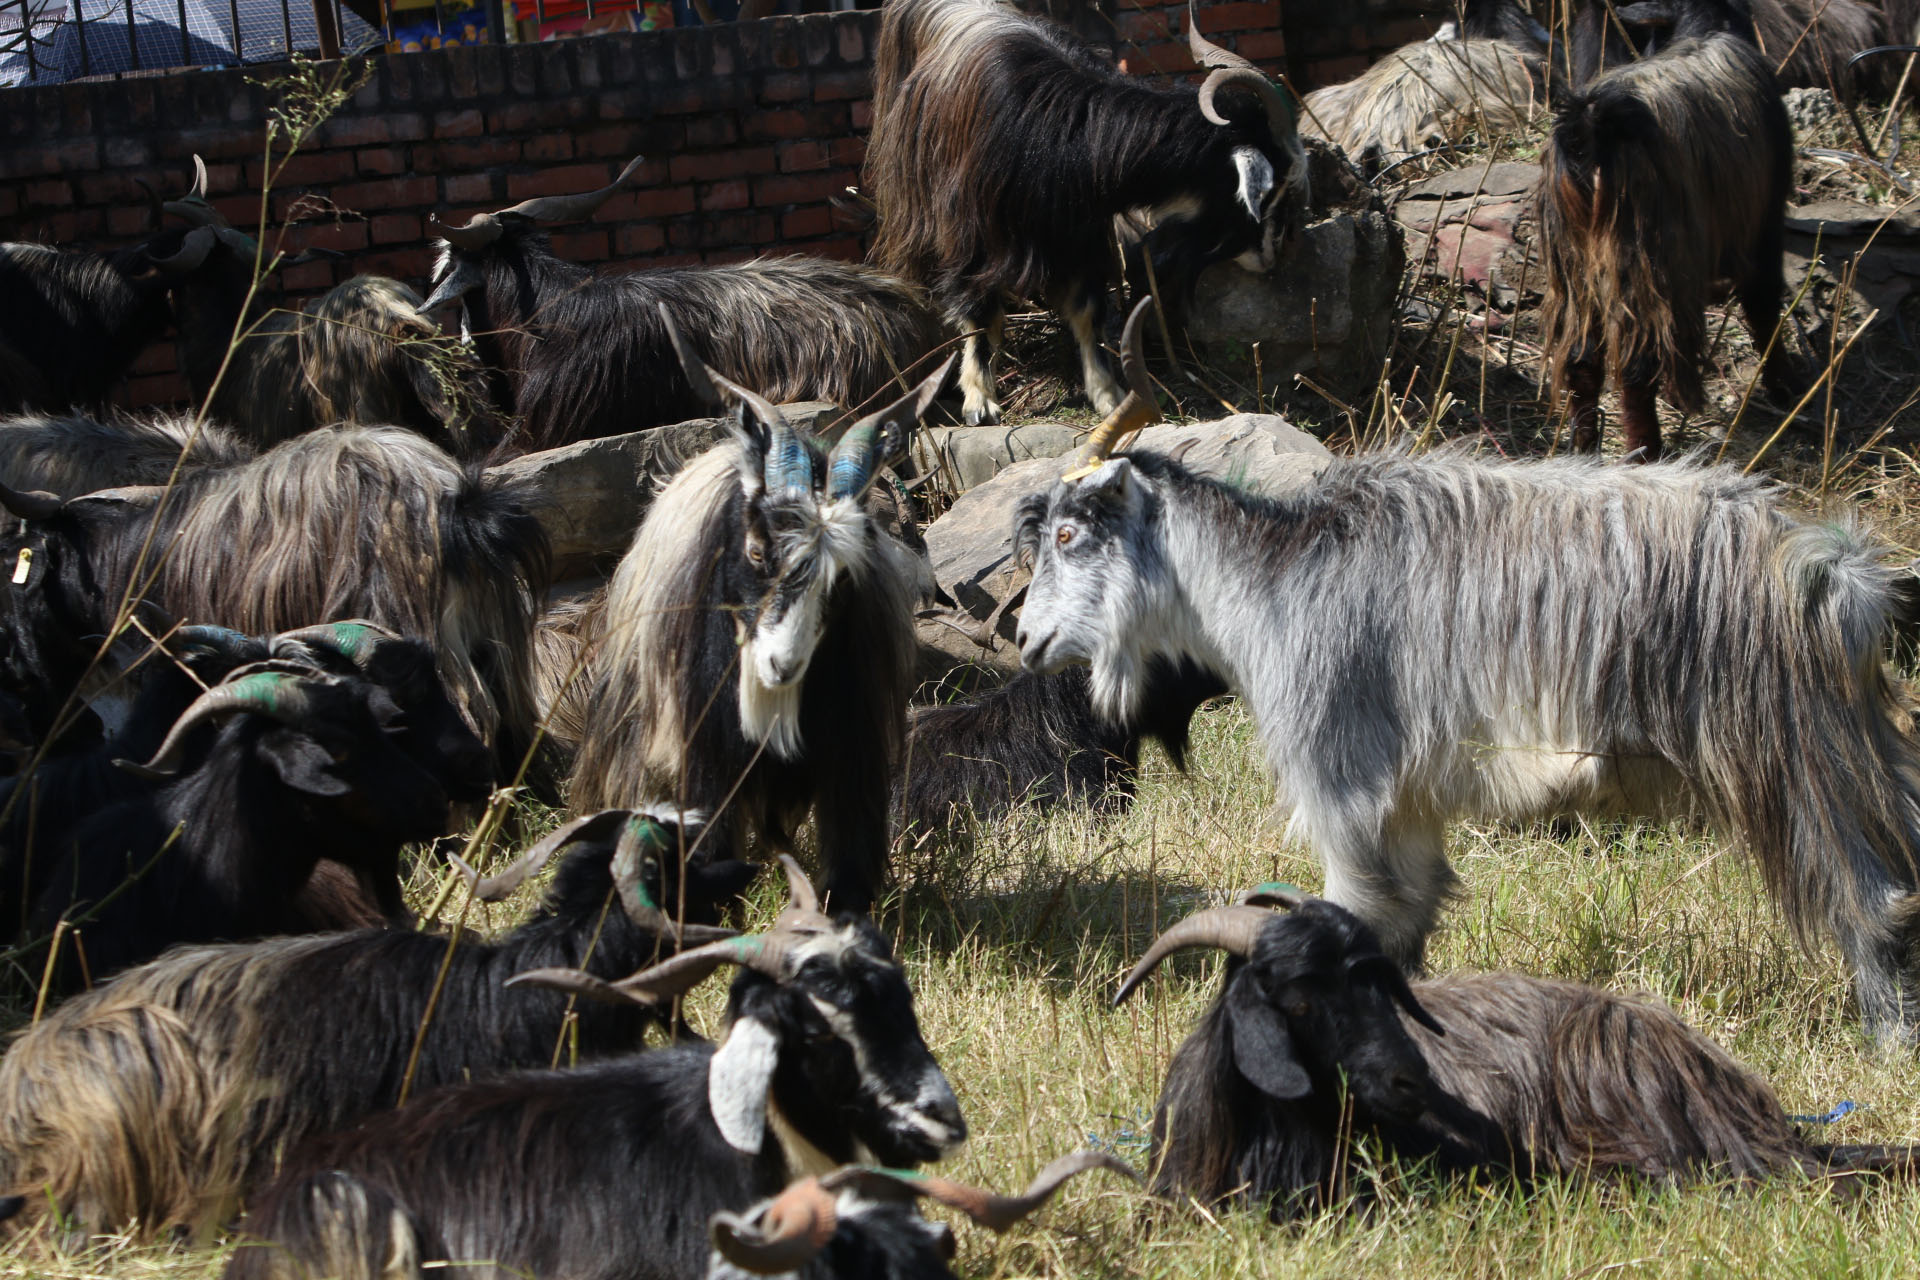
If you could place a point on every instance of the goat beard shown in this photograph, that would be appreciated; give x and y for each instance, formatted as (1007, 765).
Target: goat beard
(770, 716)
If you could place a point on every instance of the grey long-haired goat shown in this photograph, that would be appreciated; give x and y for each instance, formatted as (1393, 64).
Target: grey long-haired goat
(755, 653)
(1662, 177)
(71, 455)
(1003, 147)
(611, 1171)
(156, 1100)
(1424, 638)
(583, 355)
(1316, 1035)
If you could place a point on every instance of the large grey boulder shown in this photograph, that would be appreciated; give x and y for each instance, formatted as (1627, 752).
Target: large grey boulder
(963, 457)
(590, 495)
(1475, 226)
(971, 546)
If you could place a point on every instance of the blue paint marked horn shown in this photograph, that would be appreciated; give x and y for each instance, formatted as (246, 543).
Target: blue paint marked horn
(880, 435)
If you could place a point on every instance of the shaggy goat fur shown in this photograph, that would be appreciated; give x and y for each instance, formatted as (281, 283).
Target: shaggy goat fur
(158, 1099)
(72, 455)
(71, 324)
(587, 355)
(1662, 177)
(1425, 638)
(1428, 92)
(1002, 148)
(1808, 43)
(1531, 1078)
(560, 671)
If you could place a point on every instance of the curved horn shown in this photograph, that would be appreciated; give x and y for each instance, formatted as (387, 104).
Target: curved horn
(1228, 70)
(496, 888)
(789, 463)
(1274, 893)
(995, 1212)
(800, 895)
(198, 190)
(851, 463)
(193, 251)
(355, 639)
(643, 835)
(155, 207)
(275, 690)
(578, 982)
(30, 504)
(1137, 410)
(794, 1227)
(570, 208)
(482, 229)
(1231, 929)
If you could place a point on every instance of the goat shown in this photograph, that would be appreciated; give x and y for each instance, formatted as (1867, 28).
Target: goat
(1037, 741)
(860, 1222)
(1490, 80)
(374, 523)
(613, 1169)
(586, 356)
(70, 455)
(1605, 35)
(157, 1099)
(962, 86)
(755, 653)
(266, 774)
(1662, 177)
(1497, 1075)
(1507, 640)
(1807, 43)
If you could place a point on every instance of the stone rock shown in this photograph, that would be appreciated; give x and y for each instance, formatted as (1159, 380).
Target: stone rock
(971, 546)
(1475, 225)
(964, 457)
(1327, 306)
(1882, 245)
(1809, 109)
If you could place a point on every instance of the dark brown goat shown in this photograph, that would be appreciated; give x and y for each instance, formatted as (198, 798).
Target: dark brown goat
(1491, 1074)
(1663, 177)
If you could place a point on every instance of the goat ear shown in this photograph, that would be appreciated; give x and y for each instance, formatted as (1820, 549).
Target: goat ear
(1113, 481)
(1262, 1046)
(301, 763)
(738, 1080)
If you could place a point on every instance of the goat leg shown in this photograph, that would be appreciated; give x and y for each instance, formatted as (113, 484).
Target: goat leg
(1639, 421)
(1585, 377)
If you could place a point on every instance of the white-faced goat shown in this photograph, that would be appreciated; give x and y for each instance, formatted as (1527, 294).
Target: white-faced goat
(612, 1170)
(755, 653)
(1316, 1038)
(1037, 741)
(584, 355)
(157, 1100)
(962, 86)
(862, 1224)
(372, 523)
(1662, 177)
(1425, 638)
(71, 455)
(1487, 78)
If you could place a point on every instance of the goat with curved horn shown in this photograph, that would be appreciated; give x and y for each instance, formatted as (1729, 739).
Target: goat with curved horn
(1229, 71)
(30, 504)
(850, 465)
(789, 464)
(278, 690)
(1228, 929)
(1139, 408)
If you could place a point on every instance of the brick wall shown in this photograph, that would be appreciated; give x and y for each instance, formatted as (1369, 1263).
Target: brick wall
(748, 129)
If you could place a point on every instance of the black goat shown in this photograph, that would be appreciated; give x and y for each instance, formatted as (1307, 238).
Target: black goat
(612, 1170)
(755, 653)
(1663, 177)
(71, 455)
(861, 1224)
(1494, 1074)
(584, 355)
(1038, 741)
(265, 775)
(1003, 148)
(159, 1098)
(1607, 35)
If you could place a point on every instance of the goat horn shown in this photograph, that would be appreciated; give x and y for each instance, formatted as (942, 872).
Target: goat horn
(995, 1212)
(789, 462)
(193, 251)
(699, 377)
(1274, 893)
(641, 836)
(199, 188)
(1231, 929)
(496, 888)
(791, 1231)
(356, 639)
(154, 205)
(1229, 70)
(30, 504)
(482, 229)
(1137, 410)
(800, 895)
(851, 463)
(276, 690)
(570, 208)
(578, 982)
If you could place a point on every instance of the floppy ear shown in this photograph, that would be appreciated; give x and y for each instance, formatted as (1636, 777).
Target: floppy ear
(301, 763)
(1262, 1046)
(738, 1080)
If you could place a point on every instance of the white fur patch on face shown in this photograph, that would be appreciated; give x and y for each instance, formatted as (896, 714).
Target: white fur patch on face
(1256, 180)
(738, 1080)
(933, 1092)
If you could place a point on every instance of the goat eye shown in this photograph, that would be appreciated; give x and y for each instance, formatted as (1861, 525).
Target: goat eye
(1064, 535)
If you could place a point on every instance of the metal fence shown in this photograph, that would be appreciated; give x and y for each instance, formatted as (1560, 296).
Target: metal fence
(51, 41)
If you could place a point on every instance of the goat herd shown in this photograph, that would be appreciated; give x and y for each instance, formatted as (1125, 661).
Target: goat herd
(245, 662)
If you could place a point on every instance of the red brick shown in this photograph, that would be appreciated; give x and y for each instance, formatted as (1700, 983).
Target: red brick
(459, 124)
(457, 157)
(613, 141)
(797, 157)
(547, 149)
(356, 131)
(716, 130)
(1240, 17)
(731, 194)
(401, 264)
(786, 86)
(387, 193)
(847, 153)
(803, 223)
(863, 114)
(809, 188)
(1144, 28)
(9, 202)
(468, 187)
(49, 194)
(648, 202)
(316, 276)
(630, 241)
(1268, 47)
(308, 168)
(1335, 70)
(396, 228)
(383, 161)
(563, 181)
(851, 42)
(715, 165)
(677, 260)
(839, 86)
(581, 246)
(725, 256)
(242, 211)
(847, 250)
(127, 220)
(343, 237)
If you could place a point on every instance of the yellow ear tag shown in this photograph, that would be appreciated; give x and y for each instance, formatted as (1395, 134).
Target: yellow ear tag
(23, 566)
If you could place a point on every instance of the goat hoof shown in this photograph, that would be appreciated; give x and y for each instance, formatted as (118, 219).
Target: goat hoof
(987, 415)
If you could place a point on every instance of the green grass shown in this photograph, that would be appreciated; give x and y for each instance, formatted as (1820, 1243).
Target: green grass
(1015, 943)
